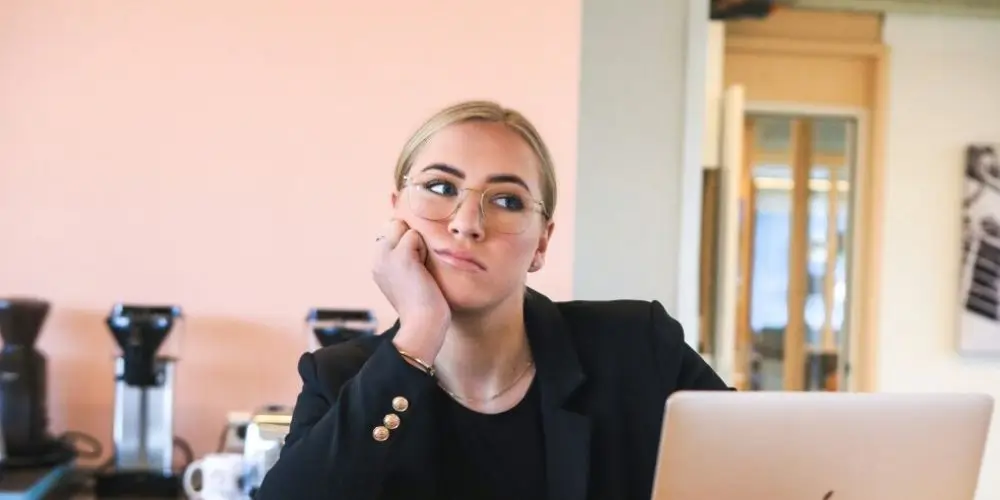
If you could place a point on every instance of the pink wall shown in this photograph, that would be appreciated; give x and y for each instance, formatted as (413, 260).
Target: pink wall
(236, 158)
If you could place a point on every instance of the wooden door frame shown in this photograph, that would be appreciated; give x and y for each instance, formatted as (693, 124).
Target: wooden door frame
(863, 312)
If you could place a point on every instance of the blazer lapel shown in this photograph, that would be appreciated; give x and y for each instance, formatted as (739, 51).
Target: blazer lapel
(567, 433)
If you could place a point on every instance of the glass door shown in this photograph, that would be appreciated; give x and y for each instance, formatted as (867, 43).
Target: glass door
(791, 292)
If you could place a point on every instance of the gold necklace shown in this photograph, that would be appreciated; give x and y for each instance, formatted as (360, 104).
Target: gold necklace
(491, 398)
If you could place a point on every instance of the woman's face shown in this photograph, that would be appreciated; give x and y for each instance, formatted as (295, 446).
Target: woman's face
(479, 254)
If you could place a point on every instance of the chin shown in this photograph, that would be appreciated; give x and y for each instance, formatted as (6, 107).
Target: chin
(467, 297)
(468, 294)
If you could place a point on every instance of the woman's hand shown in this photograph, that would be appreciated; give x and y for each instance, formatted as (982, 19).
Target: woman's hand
(401, 273)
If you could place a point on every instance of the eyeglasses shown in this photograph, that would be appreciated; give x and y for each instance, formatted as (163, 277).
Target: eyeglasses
(506, 208)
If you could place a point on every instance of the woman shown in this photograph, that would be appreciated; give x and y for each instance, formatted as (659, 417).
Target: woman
(484, 389)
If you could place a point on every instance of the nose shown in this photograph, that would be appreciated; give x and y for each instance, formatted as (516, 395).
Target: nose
(467, 221)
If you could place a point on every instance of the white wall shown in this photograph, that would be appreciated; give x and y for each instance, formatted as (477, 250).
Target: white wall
(638, 182)
(944, 91)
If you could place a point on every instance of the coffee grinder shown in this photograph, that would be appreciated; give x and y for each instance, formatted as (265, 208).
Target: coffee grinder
(143, 431)
(326, 327)
(24, 415)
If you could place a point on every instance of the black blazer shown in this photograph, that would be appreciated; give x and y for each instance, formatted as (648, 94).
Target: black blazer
(605, 370)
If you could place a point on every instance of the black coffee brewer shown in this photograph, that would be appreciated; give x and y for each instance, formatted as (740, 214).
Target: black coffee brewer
(24, 415)
(143, 430)
(332, 326)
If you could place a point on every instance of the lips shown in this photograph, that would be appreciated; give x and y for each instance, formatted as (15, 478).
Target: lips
(461, 260)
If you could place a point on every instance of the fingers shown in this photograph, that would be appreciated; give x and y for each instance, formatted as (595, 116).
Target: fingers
(399, 235)
(393, 233)
(414, 243)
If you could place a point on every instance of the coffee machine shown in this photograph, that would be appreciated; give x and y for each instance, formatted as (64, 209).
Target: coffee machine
(24, 415)
(143, 431)
(327, 327)
(265, 438)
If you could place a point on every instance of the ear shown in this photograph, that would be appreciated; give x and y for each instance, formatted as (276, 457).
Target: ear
(543, 245)
(397, 205)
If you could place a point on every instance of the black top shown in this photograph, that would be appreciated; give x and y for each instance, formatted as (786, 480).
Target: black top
(492, 457)
(603, 371)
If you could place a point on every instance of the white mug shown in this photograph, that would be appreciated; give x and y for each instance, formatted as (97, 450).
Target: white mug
(221, 477)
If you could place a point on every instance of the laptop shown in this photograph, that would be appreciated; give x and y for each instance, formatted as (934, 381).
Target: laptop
(821, 446)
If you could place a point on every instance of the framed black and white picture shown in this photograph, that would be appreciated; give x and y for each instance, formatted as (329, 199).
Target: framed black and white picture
(979, 327)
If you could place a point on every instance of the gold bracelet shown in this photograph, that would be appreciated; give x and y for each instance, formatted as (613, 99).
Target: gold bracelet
(423, 364)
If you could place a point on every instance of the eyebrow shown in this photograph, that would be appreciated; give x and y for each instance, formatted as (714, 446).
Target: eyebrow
(493, 179)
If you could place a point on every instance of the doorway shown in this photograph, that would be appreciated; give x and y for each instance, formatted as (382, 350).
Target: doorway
(793, 251)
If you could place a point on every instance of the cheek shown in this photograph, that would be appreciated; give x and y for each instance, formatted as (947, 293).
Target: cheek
(423, 226)
(516, 250)
(430, 230)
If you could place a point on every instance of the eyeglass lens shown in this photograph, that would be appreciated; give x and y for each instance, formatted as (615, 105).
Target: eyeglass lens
(506, 208)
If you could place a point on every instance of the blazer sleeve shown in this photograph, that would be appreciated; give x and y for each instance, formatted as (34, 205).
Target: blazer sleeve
(331, 451)
(683, 368)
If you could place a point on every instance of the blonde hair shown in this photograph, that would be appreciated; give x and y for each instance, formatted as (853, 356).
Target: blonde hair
(487, 112)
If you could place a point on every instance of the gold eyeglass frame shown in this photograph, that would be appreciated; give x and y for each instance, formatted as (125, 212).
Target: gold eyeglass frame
(463, 196)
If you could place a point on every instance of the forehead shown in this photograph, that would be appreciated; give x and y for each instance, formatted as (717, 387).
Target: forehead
(481, 150)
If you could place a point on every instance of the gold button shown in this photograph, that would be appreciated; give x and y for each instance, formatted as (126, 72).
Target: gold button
(400, 404)
(391, 421)
(380, 433)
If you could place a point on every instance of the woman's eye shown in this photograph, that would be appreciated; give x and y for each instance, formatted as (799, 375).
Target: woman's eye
(442, 188)
(509, 202)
